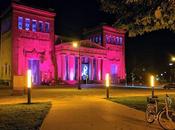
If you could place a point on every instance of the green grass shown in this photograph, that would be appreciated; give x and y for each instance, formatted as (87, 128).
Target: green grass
(140, 102)
(23, 116)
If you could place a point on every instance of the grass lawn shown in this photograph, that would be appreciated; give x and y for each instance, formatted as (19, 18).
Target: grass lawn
(140, 102)
(23, 116)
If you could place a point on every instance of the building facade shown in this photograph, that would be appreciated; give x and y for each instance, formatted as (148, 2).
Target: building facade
(102, 52)
(28, 42)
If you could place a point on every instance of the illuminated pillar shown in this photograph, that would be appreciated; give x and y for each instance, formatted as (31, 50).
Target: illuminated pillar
(63, 67)
(106, 67)
(99, 68)
(71, 67)
(92, 68)
(59, 62)
(79, 67)
(96, 68)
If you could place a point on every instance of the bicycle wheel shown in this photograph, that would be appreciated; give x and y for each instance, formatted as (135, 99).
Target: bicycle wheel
(150, 113)
(167, 122)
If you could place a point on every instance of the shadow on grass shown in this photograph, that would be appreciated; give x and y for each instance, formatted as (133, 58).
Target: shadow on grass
(140, 102)
(23, 116)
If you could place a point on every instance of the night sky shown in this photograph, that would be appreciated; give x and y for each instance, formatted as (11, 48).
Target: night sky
(152, 50)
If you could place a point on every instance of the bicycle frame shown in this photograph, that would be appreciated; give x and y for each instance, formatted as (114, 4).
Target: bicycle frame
(166, 108)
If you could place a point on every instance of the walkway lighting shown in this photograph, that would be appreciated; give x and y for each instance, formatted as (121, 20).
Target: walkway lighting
(29, 85)
(173, 59)
(152, 84)
(107, 85)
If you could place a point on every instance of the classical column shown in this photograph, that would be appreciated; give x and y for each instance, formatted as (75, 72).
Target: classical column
(92, 69)
(95, 69)
(59, 66)
(76, 67)
(63, 67)
(99, 68)
(71, 67)
(80, 68)
(67, 67)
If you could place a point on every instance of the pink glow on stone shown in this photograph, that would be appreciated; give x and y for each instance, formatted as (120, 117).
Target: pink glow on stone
(29, 45)
(99, 75)
(72, 75)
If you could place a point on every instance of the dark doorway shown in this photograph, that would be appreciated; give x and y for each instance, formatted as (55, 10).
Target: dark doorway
(34, 66)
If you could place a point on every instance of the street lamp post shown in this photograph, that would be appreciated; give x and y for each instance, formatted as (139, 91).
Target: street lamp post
(173, 59)
(171, 71)
(107, 85)
(29, 85)
(152, 84)
(75, 45)
(79, 80)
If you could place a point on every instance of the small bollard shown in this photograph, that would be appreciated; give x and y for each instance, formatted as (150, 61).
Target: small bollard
(29, 85)
(152, 83)
(107, 86)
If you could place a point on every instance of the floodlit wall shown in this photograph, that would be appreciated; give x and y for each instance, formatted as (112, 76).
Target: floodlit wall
(5, 49)
(27, 42)
(95, 60)
(33, 43)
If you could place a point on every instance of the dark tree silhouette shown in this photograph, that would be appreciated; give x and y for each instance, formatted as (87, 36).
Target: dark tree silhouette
(140, 16)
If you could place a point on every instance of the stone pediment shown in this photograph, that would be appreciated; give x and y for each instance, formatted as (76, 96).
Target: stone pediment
(33, 51)
(89, 44)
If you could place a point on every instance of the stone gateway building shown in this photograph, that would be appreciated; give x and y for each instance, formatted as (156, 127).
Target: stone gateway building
(28, 41)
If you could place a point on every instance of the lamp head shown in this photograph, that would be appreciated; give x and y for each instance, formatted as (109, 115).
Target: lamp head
(29, 78)
(152, 81)
(173, 59)
(107, 80)
(75, 44)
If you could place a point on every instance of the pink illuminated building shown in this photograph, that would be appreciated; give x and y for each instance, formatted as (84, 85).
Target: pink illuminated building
(102, 52)
(28, 42)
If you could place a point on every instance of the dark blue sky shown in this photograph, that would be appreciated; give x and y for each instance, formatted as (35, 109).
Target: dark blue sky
(153, 49)
(74, 15)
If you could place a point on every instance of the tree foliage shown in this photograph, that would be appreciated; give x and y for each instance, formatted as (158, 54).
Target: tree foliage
(140, 16)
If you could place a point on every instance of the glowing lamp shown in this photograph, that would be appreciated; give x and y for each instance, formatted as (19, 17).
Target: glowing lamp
(107, 80)
(152, 81)
(170, 64)
(173, 59)
(107, 85)
(29, 78)
(75, 44)
(29, 85)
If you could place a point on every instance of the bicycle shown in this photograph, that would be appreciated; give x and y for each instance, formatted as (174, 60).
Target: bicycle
(165, 117)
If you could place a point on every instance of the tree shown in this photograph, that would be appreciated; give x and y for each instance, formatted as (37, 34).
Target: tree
(140, 16)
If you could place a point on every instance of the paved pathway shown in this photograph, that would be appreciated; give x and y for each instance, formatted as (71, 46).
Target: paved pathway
(93, 113)
(86, 109)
